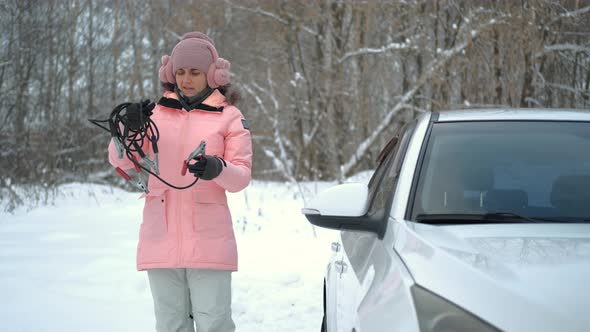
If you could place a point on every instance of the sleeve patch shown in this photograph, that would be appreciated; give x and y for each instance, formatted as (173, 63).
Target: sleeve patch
(245, 124)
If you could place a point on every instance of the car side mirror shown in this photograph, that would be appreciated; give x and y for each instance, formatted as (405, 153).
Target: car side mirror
(344, 207)
(344, 200)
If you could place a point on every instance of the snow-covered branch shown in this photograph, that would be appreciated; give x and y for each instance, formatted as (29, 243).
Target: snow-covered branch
(285, 164)
(273, 16)
(280, 165)
(575, 13)
(570, 14)
(564, 47)
(316, 127)
(259, 11)
(368, 50)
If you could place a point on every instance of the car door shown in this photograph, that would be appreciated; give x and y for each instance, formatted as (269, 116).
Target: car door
(363, 255)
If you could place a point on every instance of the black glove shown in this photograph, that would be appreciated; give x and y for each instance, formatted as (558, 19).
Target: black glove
(138, 114)
(206, 167)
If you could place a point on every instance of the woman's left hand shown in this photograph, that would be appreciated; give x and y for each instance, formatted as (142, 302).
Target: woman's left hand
(206, 168)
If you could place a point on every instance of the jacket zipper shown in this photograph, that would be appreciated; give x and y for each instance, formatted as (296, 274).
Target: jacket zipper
(180, 225)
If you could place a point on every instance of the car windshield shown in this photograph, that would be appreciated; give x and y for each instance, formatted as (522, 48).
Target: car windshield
(530, 169)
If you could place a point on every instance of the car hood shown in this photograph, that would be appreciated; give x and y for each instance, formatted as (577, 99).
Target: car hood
(516, 276)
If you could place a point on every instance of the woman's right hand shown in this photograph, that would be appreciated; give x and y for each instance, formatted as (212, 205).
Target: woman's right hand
(138, 113)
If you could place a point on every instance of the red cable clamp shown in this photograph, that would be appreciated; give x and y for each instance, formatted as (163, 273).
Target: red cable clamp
(200, 150)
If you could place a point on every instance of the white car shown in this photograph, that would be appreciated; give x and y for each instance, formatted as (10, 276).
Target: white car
(474, 220)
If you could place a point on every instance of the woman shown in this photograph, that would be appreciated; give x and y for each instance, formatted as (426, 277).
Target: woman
(186, 241)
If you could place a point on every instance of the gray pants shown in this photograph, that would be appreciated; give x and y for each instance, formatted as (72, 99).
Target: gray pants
(181, 293)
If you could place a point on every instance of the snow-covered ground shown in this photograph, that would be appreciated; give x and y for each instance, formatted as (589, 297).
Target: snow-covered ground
(71, 266)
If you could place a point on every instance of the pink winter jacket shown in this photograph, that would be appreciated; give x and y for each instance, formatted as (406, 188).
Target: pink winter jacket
(192, 228)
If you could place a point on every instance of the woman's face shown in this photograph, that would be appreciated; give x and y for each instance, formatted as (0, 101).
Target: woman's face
(190, 81)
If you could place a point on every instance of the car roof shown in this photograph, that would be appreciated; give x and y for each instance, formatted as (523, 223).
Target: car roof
(489, 114)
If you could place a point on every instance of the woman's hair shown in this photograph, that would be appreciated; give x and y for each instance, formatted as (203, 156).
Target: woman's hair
(167, 86)
(231, 93)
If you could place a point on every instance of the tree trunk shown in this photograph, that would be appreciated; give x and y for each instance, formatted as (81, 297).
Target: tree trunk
(72, 60)
(499, 99)
(90, 53)
(137, 91)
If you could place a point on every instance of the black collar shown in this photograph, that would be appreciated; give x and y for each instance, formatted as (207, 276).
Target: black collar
(174, 103)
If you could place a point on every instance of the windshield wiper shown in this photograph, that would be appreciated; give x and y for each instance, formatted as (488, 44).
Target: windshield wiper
(511, 216)
(486, 218)
(563, 220)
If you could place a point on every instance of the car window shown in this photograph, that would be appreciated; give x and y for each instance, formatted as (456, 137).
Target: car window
(539, 169)
(383, 161)
(384, 181)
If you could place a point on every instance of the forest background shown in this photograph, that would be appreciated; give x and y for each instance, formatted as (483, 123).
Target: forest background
(324, 84)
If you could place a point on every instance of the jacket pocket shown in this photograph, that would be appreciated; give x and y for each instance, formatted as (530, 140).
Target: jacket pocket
(211, 217)
(155, 224)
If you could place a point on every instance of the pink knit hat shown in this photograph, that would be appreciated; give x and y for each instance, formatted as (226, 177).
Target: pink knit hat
(196, 50)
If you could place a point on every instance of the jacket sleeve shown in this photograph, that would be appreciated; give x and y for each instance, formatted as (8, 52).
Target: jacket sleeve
(237, 173)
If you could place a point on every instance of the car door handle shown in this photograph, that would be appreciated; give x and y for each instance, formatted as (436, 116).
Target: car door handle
(340, 266)
(335, 246)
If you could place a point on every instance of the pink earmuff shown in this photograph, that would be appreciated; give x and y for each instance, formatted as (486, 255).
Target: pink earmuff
(165, 71)
(218, 73)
